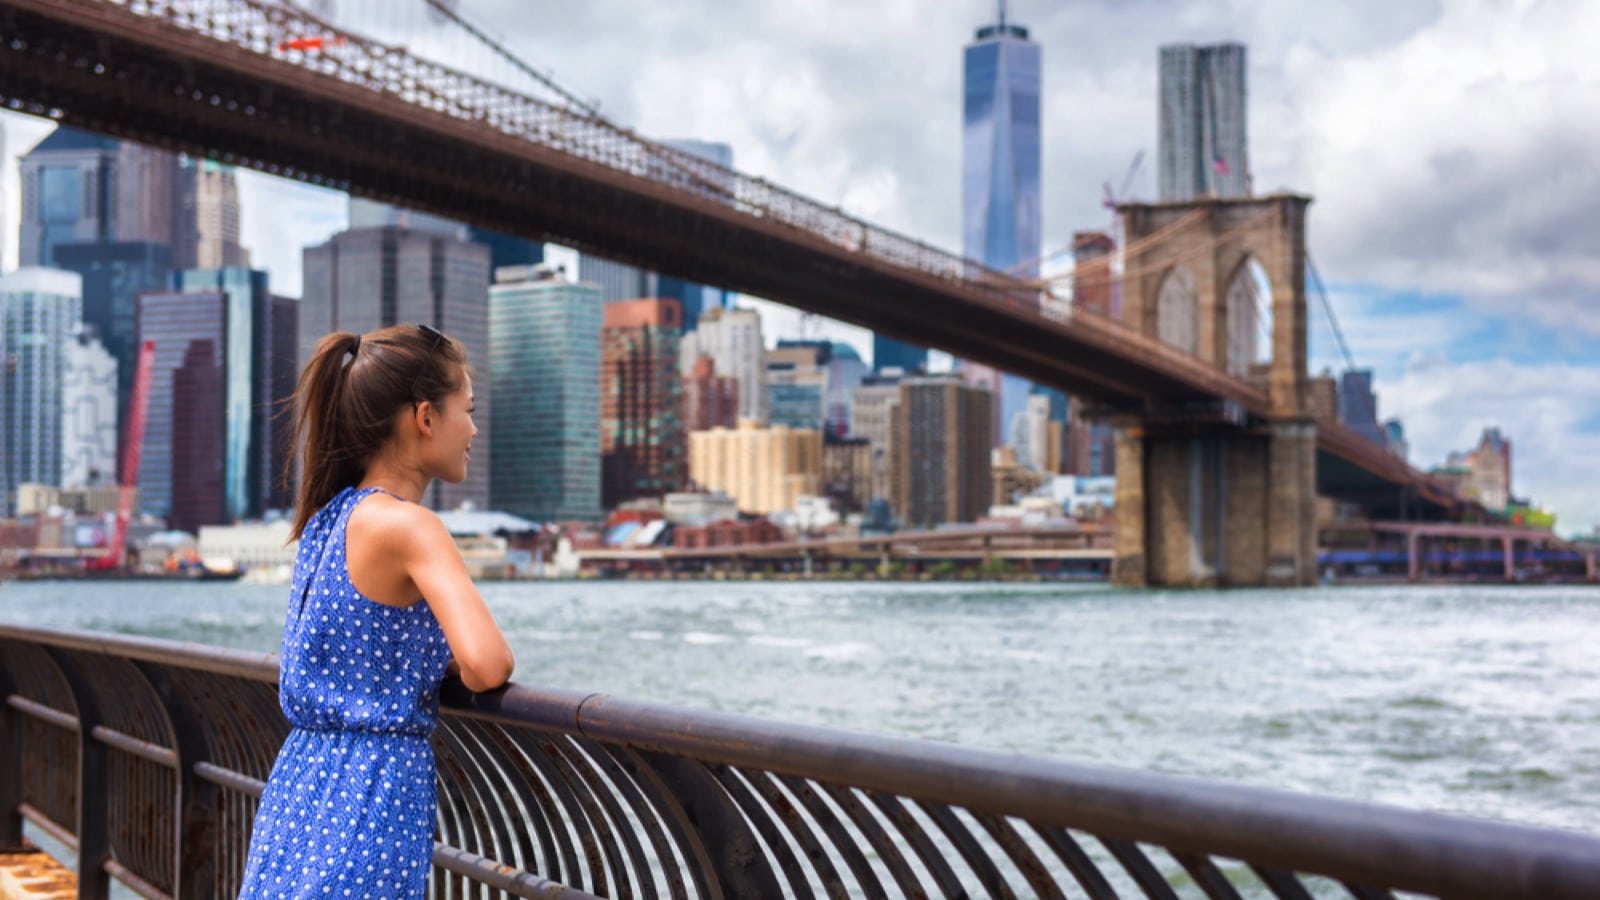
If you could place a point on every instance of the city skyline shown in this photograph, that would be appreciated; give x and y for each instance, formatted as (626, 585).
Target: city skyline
(1462, 324)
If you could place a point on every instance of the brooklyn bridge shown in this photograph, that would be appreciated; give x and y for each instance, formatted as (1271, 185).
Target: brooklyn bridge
(1222, 461)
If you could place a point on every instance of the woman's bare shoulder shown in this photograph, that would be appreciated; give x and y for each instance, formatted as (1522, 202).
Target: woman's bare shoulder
(395, 523)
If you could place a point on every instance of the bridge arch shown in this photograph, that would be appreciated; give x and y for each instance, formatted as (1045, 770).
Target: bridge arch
(1220, 242)
(1248, 314)
(1177, 310)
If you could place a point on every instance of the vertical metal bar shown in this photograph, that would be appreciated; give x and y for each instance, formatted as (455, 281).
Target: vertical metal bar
(11, 750)
(195, 806)
(94, 842)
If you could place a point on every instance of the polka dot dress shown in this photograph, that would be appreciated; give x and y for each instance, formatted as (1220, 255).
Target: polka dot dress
(349, 807)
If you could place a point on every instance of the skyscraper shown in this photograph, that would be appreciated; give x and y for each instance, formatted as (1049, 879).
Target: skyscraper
(206, 233)
(68, 193)
(544, 362)
(644, 450)
(88, 414)
(732, 338)
(1000, 199)
(114, 274)
(1204, 113)
(1358, 405)
(215, 450)
(40, 311)
(368, 278)
(941, 445)
(187, 406)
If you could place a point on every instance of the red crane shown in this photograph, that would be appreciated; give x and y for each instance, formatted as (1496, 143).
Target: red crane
(132, 449)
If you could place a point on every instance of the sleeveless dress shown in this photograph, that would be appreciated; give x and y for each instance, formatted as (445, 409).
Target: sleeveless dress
(348, 810)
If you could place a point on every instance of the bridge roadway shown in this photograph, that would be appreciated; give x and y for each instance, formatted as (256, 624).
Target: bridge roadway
(210, 78)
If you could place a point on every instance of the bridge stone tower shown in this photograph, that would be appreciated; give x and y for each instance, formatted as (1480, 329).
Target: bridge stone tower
(1211, 496)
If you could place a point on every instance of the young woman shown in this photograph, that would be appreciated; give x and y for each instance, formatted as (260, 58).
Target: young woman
(380, 610)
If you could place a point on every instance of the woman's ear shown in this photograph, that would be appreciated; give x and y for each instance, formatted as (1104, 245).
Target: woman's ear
(422, 415)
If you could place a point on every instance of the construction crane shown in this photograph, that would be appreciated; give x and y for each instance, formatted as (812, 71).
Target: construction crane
(132, 450)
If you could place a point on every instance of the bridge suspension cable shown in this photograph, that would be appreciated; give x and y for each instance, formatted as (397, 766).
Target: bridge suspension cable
(1333, 321)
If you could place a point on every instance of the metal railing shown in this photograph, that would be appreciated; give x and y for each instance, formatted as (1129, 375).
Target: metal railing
(146, 758)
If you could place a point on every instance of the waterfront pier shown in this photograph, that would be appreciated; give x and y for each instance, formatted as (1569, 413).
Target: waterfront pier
(145, 758)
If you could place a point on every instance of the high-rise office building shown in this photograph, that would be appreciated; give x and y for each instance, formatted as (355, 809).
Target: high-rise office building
(1000, 169)
(88, 414)
(941, 470)
(183, 466)
(68, 193)
(1358, 405)
(148, 196)
(872, 418)
(81, 188)
(114, 274)
(40, 312)
(544, 361)
(617, 281)
(216, 448)
(797, 384)
(369, 278)
(732, 338)
(207, 225)
(504, 250)
(643, 446)
(1204, 116)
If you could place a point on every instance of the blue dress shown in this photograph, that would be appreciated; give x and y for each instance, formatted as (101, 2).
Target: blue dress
(348, 810)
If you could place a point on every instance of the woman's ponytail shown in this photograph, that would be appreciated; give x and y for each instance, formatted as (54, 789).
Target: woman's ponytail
(325, 466)
(348, 396)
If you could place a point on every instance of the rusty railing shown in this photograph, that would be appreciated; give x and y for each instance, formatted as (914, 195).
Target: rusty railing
(146, 758)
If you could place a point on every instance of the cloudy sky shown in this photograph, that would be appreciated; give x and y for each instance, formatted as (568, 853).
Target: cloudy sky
(1451, 147)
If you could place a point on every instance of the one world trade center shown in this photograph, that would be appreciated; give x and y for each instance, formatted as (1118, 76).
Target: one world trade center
(1000, 177)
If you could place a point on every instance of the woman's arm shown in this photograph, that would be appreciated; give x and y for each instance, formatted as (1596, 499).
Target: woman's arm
(434, 564)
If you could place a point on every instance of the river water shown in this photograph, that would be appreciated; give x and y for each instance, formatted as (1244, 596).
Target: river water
(1476, 700)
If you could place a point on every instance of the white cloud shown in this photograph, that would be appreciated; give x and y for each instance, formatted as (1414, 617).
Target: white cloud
(1549, 412)
(1461, 158)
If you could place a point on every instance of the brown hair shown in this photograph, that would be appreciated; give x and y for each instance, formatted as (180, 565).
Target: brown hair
(349, 394)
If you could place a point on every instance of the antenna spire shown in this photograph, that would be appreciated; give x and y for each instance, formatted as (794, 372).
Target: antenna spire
(1002, 13)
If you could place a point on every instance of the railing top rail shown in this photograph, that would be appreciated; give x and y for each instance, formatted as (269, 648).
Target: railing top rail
(1363, 842)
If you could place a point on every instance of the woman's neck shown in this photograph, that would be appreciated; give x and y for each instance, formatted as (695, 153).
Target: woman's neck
(407, 483)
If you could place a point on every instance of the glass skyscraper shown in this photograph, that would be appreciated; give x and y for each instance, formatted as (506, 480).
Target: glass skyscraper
(1000, 199)
(544, 364)
(40, 310)
(1204, 150)
(369, 278)
(224, 365)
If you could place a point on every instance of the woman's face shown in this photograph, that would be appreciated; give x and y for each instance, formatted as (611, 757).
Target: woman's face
(450, 449)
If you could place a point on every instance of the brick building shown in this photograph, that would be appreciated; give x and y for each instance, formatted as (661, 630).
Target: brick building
(643, 446)
(710, 400)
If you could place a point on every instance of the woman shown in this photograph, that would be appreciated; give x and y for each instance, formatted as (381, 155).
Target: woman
(380, 610)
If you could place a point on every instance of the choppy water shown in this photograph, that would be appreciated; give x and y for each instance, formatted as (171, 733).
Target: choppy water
(1476, 700)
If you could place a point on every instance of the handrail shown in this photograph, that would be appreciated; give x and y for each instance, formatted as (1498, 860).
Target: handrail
(547, 793)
